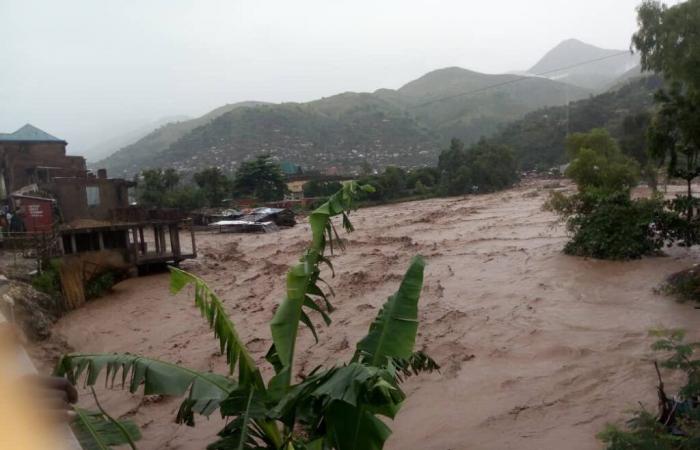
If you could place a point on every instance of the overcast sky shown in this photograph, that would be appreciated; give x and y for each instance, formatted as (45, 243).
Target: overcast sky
(88, 70)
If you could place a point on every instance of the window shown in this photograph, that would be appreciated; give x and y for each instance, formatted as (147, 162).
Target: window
(93, 195)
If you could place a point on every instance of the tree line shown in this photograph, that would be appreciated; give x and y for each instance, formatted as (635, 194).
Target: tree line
(481, 168)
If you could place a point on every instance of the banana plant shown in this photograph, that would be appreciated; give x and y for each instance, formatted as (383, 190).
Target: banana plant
(331, 408)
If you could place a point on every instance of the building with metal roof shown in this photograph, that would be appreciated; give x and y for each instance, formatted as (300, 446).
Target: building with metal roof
(29, 133)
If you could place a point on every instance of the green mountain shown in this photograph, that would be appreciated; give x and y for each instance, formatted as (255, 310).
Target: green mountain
(468, 105)
(597, 75)
(406, 127)
(127, 160)
(538, 138)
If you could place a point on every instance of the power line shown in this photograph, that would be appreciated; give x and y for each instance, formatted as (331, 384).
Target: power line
(516, 80)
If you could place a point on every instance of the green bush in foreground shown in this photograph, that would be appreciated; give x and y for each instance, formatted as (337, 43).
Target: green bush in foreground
(676, 426)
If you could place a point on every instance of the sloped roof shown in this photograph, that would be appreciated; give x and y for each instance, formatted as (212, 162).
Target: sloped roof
(29, 133)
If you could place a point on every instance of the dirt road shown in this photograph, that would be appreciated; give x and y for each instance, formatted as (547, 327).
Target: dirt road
(538, 350)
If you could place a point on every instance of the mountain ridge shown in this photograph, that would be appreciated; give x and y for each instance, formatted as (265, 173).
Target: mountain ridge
(406, 126)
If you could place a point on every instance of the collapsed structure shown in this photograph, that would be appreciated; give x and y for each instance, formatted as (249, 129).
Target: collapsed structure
(51, 201)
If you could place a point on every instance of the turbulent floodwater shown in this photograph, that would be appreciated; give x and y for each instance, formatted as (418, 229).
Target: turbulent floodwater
(538, 349)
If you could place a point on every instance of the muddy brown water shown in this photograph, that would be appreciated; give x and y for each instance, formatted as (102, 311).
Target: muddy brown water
(538, 350)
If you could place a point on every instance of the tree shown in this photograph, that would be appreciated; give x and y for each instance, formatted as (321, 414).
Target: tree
(674, 135)
(330, 408)
(669, 42)
(215, 185)
(260, 178)
(484, 167)
(155, 185)
(634, 143)
(603, 220)
(393, 182)
(670, 45)
(426, 176)
(597, 162)
(321, 188)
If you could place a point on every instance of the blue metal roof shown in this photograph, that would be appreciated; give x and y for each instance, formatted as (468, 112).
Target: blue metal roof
(29, 133)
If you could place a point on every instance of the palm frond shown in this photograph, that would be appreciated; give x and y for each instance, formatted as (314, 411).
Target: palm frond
(97, 431)
(205, 390)
(303, 278)
(393, 332)
(212, 308)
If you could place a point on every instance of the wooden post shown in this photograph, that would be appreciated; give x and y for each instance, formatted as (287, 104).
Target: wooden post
(174, 240)
(194, 244)
(101, 240)
(163, 244)
(73, 245)
(60, 245)
(142, 242)
(156, 237)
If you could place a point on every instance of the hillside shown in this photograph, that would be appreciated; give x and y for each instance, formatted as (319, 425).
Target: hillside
(596, 76)
(339, 133)
(127, 160)
(405, 127)
(113, 144)
(538, 138)
(464, 104)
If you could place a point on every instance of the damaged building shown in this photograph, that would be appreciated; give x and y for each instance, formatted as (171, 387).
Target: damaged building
(82, 217)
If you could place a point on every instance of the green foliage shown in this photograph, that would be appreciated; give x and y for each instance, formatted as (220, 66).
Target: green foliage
(428, 177)
(49, 280)
(668, 41)
(392, 335)
(612, 226)
(260, 178)
(389, 185)
(162, 189)
(334, 408)
(484, 167)
(97, 286)
(98, 431)
(213, 310)
(602, 219)
(677, 423)
(674, 134)
(214, 184)
(204, 390)
(669, 44)
(321, 188)
(598, 163)
(538, 139)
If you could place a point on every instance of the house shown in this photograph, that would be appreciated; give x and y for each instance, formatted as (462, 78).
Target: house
(32, 160)
(82, 217)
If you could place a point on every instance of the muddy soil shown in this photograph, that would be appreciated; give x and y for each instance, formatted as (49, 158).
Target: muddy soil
(538, 350)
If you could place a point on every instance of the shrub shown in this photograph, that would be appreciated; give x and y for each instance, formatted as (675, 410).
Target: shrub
(597, 162)
(99, 285)
(684, 285)
(615, 227)
(49, 280)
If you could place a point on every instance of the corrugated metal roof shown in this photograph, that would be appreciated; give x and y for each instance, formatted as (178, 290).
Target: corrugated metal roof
(29, 133)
